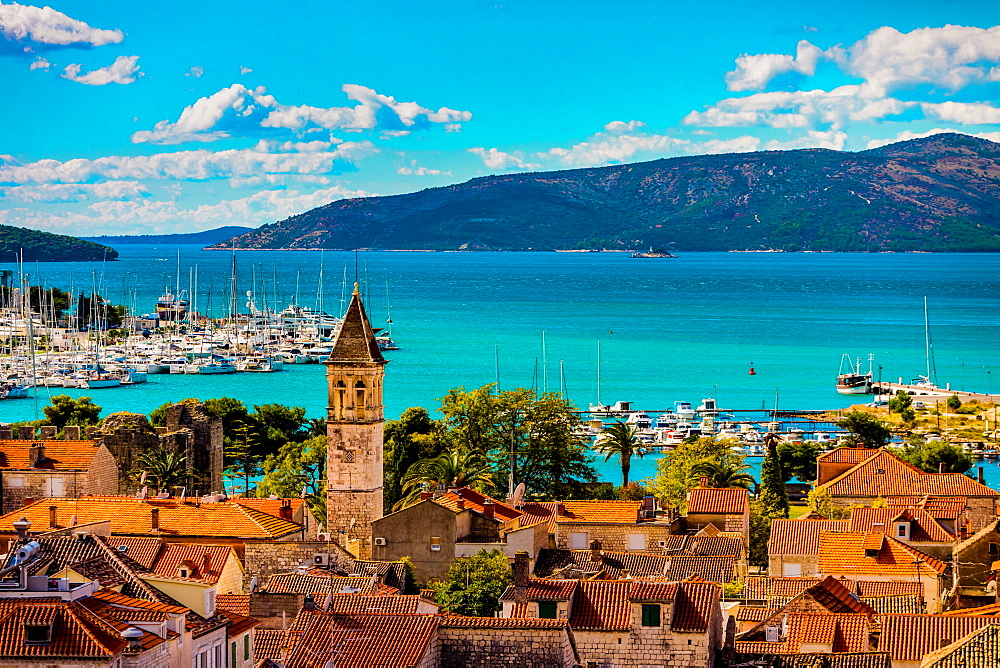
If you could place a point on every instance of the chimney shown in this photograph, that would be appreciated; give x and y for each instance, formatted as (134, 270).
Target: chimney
(942, 467)
(522, 569)
(489, 509)
(595, 551)
(154, 522)
(426, 495)
(36, 454)
(309, 603)
(134, 638)
(206, 564)
(22, 526)
(981, 476)
(461, 503)
(285, 511)
(53, 511)
(28, 500)
(703, 481)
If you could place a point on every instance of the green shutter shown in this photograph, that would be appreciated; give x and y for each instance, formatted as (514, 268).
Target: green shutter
(548, 609)
(232, 654)
(650, 615)
(246, 647)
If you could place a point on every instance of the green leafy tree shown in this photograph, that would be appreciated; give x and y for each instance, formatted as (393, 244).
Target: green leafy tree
(473, 585)
(761, 515)
(297, 469)
(772, 482)
(929, 456)
(280, 424)
(455, 468)
(798, 460)
(673, 477)
(866, 430)
(64, 410)
(722, 475)
(414, 436)
(164, 469)
(633, 491)
(900, 402)
(619, 439)
(821, 503)
(240, 455)
(954, 403)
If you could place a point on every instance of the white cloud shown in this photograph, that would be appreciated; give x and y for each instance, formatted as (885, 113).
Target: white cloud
(754, 72)
(607, 148)
(245, 70)
(195, 71)
(414, 170)
(43, 27)
(907, 134)
(40, 64)
(832, 139)
(164, 216)
(967, 113)
(193, 165)
(798, 109)
(453, 127)
(122, 71)
(75, 192)
(495, 159)
(622, 126)
(240, 110)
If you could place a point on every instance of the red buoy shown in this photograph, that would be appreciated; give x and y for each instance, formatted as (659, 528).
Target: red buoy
(752, 372)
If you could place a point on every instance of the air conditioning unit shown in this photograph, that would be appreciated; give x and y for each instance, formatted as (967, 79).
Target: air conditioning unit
(321, 559)
(323, 536)
(435, 548)
(380, 541)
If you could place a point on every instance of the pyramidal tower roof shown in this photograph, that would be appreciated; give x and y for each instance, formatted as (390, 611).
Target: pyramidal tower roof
(356, 341)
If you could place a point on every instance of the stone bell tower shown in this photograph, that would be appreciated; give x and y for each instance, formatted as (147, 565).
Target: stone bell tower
(354, 431)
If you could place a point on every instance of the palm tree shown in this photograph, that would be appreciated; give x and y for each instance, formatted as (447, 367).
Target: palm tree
(454, 468)
(722, 475)
(164, 468)
(619, 439)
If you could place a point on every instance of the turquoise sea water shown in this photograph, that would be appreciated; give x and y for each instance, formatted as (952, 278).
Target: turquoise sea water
(676, 329)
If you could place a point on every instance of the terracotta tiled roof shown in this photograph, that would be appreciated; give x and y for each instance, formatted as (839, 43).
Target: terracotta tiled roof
(602, 605)
(911, 637)
(375, 604)
(238, 624)
(500, 623)
(269, 506)
(714, 546)
(868, 589)
(754, 614)
(694, 605)
(269, 643)
(844, 632)
(204, 562)
(541, 511)
(473, 501)
(923, 527)
(114, 598)
(800, 537)
(361, 641)
(845, 554)
(131, 516)
(884, 474)
(992, 610)
(760, 654)
(781, 590)
(979, 649)
(907, 604)
(599, 512)
(835, 597)
(141, 550)
(59, 455)
(845, 455)
(74, 634)
(297, 583)
(759, 587)
(653, 591)
(542, 590)
(117, 620)
(763, 647)
(576, 563)
(939, 507)
(710, 500)
(238, 603)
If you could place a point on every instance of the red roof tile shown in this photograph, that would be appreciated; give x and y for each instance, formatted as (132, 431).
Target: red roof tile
(238, 603)
(72, 631)
(602, 605)
(939, 507)
(923, 527)
(845, 455)
(141, 550)
(114, 598)
(59, 455)
(910, 637)
(542, 590)
(844, 632)
(203, 562)
(269, 643)
(361, 641)
(846, 554)
(754, 614)
(297, 583)
(800, 537)
(709, 500)
(599, 512)
(469, 499)
(350, 604)
(694, 605)
(501, 623)
(884, 474)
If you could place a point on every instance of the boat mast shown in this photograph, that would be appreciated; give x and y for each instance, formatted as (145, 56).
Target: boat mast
(599, 374)
(929, 348)
(496, 365)
(545, 373)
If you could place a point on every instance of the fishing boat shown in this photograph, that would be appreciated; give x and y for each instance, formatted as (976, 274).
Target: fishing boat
(13, 391)
(853, 381)
(170, 308)
(653, 253)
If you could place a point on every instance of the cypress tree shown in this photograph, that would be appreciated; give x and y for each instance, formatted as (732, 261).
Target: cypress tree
(772, 482)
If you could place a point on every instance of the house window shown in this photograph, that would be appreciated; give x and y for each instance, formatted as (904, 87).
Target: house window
(232, 654)
(55, 486)
(637, 541)
(994, 548)
(579, 540)
(548, 609)
(37, 635)
(791, 570)
(246, 647)
(650, 614)
(15, 482)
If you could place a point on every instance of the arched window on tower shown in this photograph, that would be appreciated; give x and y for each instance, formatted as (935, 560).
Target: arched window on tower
(359, 400)
(339, 399)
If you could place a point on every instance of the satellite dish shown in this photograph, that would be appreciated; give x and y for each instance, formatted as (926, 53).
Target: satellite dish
(518, 497)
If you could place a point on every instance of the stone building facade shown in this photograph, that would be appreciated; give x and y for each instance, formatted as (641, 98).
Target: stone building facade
(41, 469)
(355, 417)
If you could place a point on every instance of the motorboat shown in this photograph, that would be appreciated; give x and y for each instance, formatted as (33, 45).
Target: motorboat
(854, 381)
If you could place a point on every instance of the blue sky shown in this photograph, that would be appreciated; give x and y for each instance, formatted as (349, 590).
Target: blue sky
(123, 118)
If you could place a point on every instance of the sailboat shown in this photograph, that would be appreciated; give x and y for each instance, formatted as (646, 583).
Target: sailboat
(853, 381)
(383, 338)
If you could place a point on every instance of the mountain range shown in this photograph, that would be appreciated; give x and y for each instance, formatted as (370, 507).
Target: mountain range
(215, 236)
(36, 246)
(939, 193)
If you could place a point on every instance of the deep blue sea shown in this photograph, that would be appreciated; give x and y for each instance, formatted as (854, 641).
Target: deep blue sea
(672, 329)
